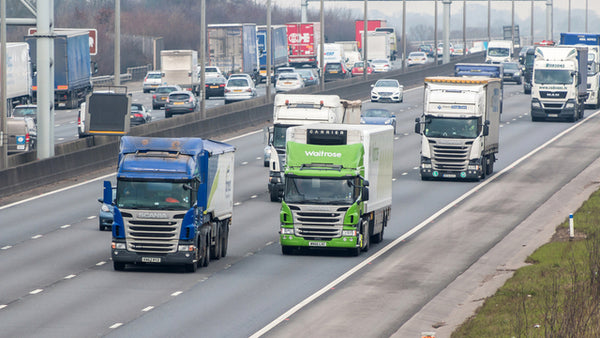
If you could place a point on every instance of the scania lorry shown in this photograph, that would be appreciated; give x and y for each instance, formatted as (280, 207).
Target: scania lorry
(174, 201)
(459, 127)
(72, 67)
(233, 48)
(338, 186)
(180, 67)
(592, 41)
(279, 49)
(18, 74)
(297, 109)
(559, 86)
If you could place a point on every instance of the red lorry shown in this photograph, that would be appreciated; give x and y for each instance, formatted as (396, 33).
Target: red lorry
(303, 39)
(371, 25)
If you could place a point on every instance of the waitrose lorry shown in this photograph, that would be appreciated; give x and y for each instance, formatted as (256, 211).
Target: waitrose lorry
(297, 109)
(174, 201)
(338, 186)
(592, 41)
(559, 87)
(459, 127)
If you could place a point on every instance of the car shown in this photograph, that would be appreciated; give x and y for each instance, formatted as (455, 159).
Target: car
(180, 102)
(215, 86)
(238, 89)
(25, 111)
(416, 58)
(139, 115)
(161, 93)
(512, 72)
(243, 75)
(289, 81)
(427, 49)
(282, 70)
(107, 212)
(378, 116)
(440, 49)
(309, 75)
(387, 90)
(22, 134)
(381, 65)
(212, 71)
(335, 71)
(458, 50)
(152, 80)
(357, 69)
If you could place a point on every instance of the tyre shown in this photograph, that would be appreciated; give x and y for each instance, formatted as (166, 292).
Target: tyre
(215, 250)
(155, 107)
(168, 115)
(394, 129)
(101, 227)
(265, 163)
(225, 239)
(205, 252)
(379, 237)
(119, 266)
(366, 236)
(274, 195)
(146, 91)
(192, 267)
(287, 250)
(490, 167)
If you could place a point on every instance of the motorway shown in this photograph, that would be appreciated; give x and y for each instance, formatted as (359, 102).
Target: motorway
(57, 278)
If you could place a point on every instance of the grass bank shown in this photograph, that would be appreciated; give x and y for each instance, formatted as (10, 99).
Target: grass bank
(557, 294)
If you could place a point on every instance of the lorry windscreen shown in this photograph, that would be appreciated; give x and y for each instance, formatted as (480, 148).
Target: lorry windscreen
(444, 127)
(497, 51)
(552, 76)
(279, 136)
(152, 195)
(320, 190)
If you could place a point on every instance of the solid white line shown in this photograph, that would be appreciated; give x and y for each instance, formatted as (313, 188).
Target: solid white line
(412, 231)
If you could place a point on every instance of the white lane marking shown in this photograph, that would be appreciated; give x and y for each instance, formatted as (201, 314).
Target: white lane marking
(254, 196)
(176, 293)
(237, 203)
(91, 217)
(244, 163)
(404, 174)
(115, 325)
(36, 291)
(6, 247)
(70, 276)
(100, 263)
(147, 308)
(3, 306)
(409, 233)
(36, 236)
(65, 226)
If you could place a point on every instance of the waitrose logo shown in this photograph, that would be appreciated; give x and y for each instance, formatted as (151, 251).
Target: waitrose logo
(322, 153)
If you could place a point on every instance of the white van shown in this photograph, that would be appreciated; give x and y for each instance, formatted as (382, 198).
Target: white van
(499, 51)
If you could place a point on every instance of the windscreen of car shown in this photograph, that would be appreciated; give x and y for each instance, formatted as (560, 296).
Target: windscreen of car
(333, 66)
(210, 70)
(179, 97)
(416, 55)
(498, 51)
(24, 112)
(377, 113)
(359, 64)
(154, 76)
(288, 76)
(237, 82)
(164, 90)
(307, 74)
(386, 84)
(379, 61)
(511, 66)
(135, 107)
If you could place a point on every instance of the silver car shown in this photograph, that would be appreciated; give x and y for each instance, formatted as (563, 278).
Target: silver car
(289, 81)
(387, 90)
(238, 89)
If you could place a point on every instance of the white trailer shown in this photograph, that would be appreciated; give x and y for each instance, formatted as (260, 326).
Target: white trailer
(378, 46)
(18, 73)
(180, 67)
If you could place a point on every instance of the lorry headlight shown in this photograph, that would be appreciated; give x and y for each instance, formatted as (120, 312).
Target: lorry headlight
(535, 104)
(118, 246)
(104, 208)
(473, 167)
(287, 231)
(185, 248)
(274, 179)
(425, 162)
(570, 105)
(347, 233)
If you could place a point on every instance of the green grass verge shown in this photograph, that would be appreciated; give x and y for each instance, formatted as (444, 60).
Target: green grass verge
(557, 295)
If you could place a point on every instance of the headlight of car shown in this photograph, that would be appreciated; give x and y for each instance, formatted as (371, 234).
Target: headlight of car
(104, 208)
(362, 120)
(388, 122)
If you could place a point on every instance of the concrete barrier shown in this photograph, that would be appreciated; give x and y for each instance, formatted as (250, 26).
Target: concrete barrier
(79, 156)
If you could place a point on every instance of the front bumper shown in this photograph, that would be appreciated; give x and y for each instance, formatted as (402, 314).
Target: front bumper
(340, 242)
(129, 257)
(468, 175)
(386, 97)
(538, 111)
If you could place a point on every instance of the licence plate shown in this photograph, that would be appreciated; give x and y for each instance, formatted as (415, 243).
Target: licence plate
(163, 98)
(287, 83)
(449, 175)
(20, 147)
(151, 259)
(213, 87)
(237, 90)
(177, 103)
(321, 244)
(552, 115)
(333, 72)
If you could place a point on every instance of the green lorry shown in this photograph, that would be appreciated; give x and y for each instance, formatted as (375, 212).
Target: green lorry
(338, 186)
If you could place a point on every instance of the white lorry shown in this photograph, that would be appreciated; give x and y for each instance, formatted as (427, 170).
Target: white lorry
(332, 52)
(351, 51)
(18, 73)
(338, 186)
(499, 51)
(180, 67)
(297, 109)
(378, 45)
(559, 83)
(459, 127)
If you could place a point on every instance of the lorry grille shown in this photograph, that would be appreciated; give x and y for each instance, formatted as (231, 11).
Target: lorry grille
(450, 157)
(151, 236)
(324, 224)
(552, 95)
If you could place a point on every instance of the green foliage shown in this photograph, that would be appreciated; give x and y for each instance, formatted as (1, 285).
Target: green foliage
(556, 296)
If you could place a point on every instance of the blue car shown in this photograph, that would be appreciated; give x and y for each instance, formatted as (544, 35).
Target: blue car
(378, 116)
(105, 217)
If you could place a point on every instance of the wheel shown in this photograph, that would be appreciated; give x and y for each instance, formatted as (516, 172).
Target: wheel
(287, 250)
(225, 239)
(101, 227)
(366, 236)
(490, 166)
(265, 163)
(215, 250)
(520, 82)
(274, 195)
(119, 266)
(394, 129)
(227, 101)
(168, 115)
(192, 267)
(205, 253)
(155, 106)
(146, 91)
(379, 237)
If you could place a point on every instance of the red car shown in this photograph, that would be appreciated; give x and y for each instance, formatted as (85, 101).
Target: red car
(357, 69)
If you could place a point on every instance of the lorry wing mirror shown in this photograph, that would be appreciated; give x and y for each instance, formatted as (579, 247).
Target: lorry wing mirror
(187, 187)
(365, 183)
(100, 200)
(365, 194)
(486, 130)
(417, 126)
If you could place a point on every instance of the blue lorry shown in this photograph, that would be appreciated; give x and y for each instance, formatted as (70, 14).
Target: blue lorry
(494, 70)
(72, 67)
(173, 203)
(279, 49)
(592, 41)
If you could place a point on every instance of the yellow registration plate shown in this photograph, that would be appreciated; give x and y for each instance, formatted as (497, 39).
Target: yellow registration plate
(334, 72)
(213, 87)
(287, 83)
(237, 90)
(177, 103)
